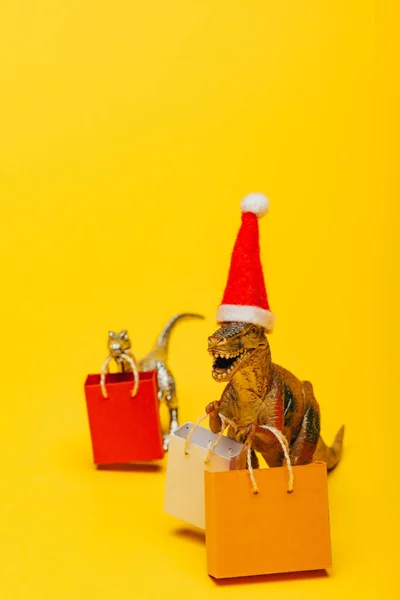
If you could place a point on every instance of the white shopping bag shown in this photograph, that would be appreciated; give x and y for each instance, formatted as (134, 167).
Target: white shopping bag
(184, 493)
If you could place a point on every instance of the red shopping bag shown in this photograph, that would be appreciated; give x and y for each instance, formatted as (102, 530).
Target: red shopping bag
(124, 429)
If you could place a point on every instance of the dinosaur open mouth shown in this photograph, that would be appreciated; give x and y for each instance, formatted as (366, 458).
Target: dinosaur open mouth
(226, 363)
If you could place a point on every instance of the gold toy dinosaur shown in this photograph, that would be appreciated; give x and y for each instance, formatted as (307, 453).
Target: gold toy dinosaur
(260, 393)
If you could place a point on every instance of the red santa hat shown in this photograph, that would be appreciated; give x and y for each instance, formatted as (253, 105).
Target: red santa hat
(245, 298)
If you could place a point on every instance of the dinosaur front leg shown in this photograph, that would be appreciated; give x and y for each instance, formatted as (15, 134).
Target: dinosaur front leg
(223, 407)
(120, 364)
(303, 448)
(215, 421)
(263, 441)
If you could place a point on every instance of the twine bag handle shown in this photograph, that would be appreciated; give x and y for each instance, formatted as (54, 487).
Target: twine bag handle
(104, 370)
(225, 421)
(285, 447)
(191, 432)
(214, 444)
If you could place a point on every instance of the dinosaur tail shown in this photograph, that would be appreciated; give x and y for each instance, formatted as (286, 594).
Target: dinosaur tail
(330, 455)
(163, 338)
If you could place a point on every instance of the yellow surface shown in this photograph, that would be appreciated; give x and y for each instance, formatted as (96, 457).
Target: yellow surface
(129, 133)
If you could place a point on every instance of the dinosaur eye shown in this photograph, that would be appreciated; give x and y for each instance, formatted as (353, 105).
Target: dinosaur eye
(253, 331)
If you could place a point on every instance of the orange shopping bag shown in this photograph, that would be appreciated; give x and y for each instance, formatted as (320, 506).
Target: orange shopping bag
(270, 531)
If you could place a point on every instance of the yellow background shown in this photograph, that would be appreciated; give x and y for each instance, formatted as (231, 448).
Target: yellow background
(129, 133)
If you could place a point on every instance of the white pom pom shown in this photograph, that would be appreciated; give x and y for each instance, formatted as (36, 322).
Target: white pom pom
(255, 203)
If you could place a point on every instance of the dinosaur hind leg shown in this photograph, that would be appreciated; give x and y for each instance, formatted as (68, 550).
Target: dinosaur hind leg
(330, 455)
(231, 433)
(303, 447)
(172, 403)
(254, 460)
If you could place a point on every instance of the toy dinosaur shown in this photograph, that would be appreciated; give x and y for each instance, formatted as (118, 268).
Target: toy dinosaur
(260, 392)
(119, 348)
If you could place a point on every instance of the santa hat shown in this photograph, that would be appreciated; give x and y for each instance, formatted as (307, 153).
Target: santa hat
(245, 298)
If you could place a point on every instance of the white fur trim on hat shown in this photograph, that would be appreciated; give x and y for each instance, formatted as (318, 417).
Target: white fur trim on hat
(227, 313)
(255, 203)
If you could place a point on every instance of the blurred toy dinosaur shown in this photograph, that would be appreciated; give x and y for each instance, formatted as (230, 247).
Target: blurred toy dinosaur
(260, 393)
(119, 347)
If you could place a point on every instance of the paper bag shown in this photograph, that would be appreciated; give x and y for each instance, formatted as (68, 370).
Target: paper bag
(184, 493)
(269, 532)
(124, 429)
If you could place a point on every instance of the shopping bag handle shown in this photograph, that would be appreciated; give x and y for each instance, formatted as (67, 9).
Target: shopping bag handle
(285, 447)
(210, 451)
(224, 422)
(191, 432)
(104, 370)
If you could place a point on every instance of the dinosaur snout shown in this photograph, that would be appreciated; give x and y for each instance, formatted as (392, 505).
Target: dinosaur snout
(115, 348)
(215, 341)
